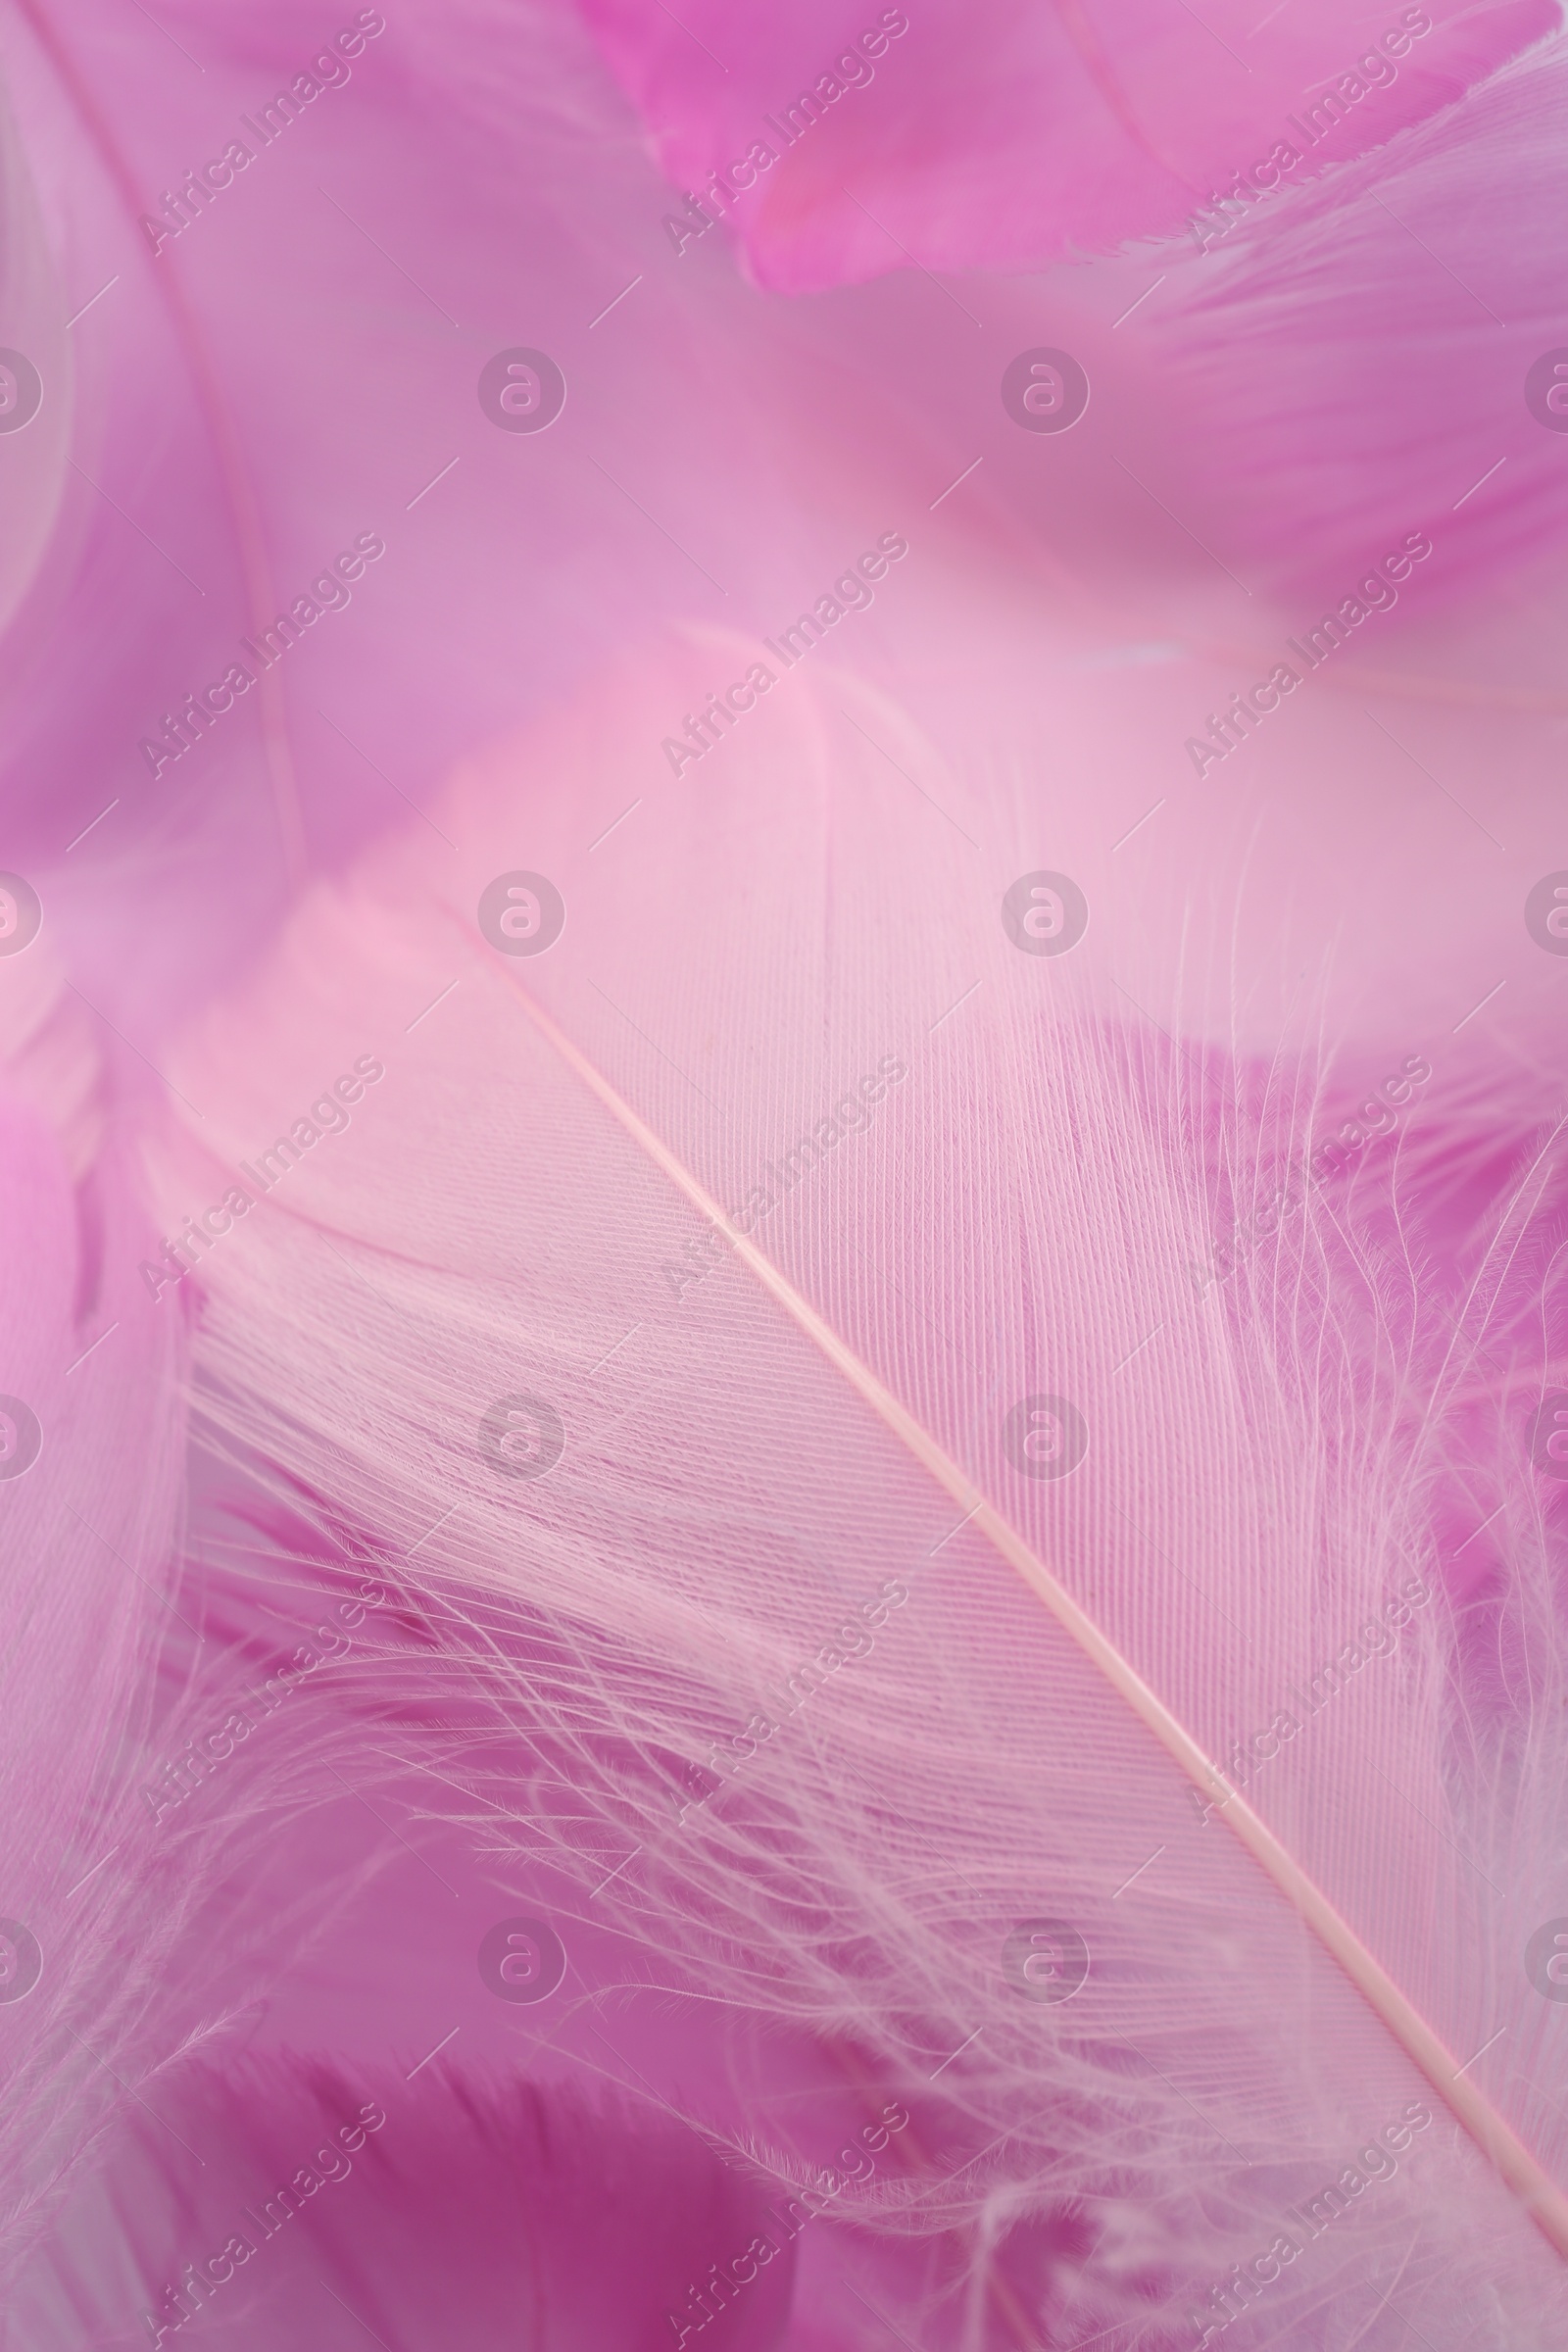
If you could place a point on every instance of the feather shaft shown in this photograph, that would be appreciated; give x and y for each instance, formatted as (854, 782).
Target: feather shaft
(1500, 2144)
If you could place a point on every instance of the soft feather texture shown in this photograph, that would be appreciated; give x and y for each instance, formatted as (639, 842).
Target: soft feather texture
(547, 1710)
(332, 2184)
(91, 1454)
(958, 137)
(1266, 1467)
(32, 453)
(1387, 320)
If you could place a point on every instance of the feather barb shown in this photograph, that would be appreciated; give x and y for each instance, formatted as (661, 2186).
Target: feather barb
(1500, 2144)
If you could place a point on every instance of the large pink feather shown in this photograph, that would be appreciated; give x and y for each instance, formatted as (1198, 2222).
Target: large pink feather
(788, 1704)
(1265, 1475)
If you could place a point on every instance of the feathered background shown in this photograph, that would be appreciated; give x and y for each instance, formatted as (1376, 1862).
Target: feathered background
(735, 1613)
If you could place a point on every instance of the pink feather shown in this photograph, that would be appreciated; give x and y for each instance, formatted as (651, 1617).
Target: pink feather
(1365, 352)
(315, 2225)
(797, 1746)
(723, 1500)
(838, 146)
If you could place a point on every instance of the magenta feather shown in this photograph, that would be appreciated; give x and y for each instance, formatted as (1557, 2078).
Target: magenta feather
(1004, 137)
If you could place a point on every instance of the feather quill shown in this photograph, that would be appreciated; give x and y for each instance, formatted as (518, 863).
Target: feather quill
(1523, 2174)
(682, 1553)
